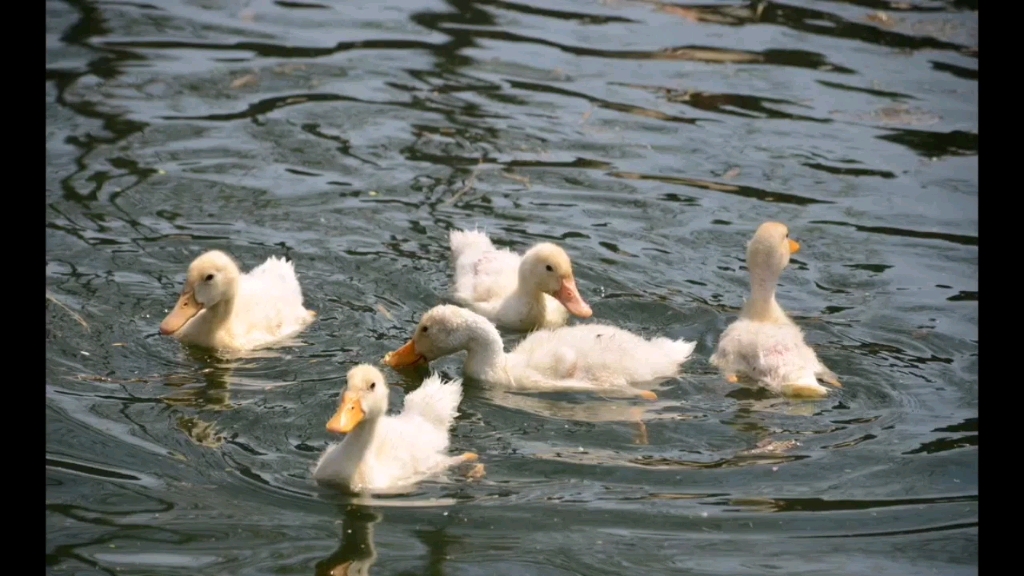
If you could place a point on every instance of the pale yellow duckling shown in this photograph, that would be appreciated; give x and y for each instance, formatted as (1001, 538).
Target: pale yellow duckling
(764, 345)
(385, 453)
(535, 290)
(222, 308)
(582, 358)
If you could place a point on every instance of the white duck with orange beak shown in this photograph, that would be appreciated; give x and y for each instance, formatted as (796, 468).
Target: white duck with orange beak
(593, 358)
(535, 290)
(764, 346)
(390, 453)
(222, 308)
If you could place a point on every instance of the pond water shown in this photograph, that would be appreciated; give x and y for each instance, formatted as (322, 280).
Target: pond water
(649, 139)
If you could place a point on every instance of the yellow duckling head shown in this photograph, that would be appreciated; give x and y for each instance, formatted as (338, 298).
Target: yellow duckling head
(212, 279)
(365, 397)
(547, 268)
(769, 251)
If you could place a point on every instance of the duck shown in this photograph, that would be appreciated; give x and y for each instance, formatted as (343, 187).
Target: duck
(580, 358)
(764, 346)
(222, 308)
(390, 453)
(516, 292)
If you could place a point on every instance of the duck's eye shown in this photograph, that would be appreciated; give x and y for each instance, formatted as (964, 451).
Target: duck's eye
(373, 385)
(549, 268)
(209, 277)
(423, 330)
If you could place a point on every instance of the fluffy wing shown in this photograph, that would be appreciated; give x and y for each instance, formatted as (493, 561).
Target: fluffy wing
(482, 272)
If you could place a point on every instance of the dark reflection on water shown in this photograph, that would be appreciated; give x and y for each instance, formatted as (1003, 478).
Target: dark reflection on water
(356, 554)
(650, 139)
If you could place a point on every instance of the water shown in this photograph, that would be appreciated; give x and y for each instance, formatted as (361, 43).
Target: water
(647, 139)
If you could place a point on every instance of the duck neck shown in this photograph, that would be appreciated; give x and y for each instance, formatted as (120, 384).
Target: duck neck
(216, 316)
(358, 440)
(762, 305)
(529, 299)
(486, 352)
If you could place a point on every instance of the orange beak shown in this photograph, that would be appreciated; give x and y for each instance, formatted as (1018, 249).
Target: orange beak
(570, 297)
(793, 247)
(186, 308)
(404, 357)
(348, 416)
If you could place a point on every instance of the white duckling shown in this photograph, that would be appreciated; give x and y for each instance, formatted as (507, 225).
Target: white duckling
(764, 345)
(535, 290)
(384, 453)
(586, 357)
(222, 308)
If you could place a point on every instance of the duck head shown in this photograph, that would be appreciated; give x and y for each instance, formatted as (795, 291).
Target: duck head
(769, 250)
(442, 330)
(547, 268)
(212, 278)
(365, 397)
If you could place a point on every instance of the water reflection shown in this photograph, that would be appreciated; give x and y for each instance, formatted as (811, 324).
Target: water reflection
(206, 388)
(602, 410)
(356, 553)
(219, 370)
(215, 374)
